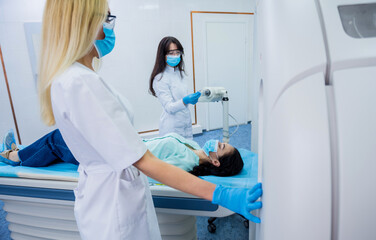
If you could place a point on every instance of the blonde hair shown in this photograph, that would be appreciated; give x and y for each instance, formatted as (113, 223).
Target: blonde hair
(68, 33)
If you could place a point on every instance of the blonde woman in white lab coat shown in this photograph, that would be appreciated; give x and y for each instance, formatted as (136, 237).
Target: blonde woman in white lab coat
(113, 200)
(167, 83)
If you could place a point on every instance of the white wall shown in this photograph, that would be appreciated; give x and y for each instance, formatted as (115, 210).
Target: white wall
(139, 27)
(5, 107)
(13, 14)
(256, 77)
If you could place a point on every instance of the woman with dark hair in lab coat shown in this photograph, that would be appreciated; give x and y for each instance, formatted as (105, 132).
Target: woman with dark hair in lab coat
(112, 199)
(167, 83)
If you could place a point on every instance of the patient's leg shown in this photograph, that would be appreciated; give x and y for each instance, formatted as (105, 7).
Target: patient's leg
(45, 151)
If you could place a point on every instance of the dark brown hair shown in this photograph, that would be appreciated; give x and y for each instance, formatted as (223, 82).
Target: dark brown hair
(231, 164)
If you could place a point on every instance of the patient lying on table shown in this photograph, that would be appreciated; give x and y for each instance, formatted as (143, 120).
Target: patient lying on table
(171, 148)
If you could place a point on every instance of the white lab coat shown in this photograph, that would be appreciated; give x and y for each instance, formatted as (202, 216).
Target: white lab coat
(113, 199)
(170, 89)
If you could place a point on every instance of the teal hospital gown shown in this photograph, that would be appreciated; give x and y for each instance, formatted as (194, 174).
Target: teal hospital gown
(173, 149)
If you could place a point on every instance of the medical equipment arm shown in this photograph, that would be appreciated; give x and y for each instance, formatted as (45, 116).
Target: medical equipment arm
(215, 94)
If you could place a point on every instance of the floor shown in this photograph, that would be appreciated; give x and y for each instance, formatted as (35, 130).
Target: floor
(4, 232)
(227, 228)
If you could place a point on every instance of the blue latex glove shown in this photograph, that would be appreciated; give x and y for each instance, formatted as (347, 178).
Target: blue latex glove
(239, 200)
(191, 98)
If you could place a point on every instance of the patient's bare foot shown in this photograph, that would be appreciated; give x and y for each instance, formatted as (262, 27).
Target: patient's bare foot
(10, 157)
(13, 156)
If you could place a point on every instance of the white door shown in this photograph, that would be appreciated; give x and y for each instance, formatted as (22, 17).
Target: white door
(222, 57)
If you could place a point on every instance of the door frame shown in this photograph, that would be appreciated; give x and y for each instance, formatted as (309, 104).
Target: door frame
(193, 49)
(10, 96)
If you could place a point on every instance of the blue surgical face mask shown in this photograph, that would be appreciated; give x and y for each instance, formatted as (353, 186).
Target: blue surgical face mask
(105, 46)
(210, 146)
(173, 60)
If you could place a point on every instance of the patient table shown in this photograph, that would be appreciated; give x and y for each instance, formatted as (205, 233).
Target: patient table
(40, 201)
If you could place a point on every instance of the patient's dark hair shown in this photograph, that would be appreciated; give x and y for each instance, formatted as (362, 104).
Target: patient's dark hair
(230, 165)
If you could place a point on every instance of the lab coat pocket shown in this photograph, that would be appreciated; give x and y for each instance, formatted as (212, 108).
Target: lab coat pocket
(79, 190)
(130, 174)
(132, 203)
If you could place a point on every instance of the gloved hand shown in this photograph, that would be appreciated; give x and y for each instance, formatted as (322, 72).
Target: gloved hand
(239, 200)
(191, 98)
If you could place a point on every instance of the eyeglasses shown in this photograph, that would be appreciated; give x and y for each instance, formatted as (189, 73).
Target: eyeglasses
(110, 18)
(174, 52)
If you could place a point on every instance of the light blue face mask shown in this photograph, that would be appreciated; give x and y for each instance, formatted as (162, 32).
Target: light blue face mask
(210, 146)
(105, 46)
(173, 60)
